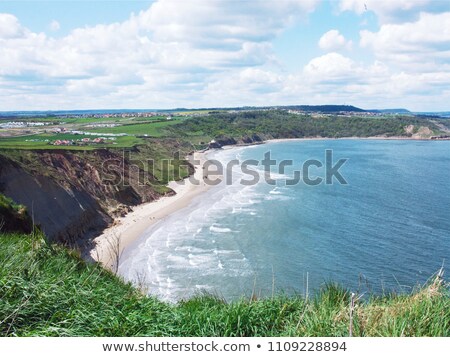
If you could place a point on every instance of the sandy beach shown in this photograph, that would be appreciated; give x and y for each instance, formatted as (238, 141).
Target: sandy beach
(128, 229)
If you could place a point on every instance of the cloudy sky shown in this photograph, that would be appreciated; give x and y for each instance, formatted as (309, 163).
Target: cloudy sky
(208, 53)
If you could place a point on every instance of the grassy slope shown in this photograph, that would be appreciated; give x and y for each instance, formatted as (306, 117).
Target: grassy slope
(21, 142)
(155, 129)
(47, 290)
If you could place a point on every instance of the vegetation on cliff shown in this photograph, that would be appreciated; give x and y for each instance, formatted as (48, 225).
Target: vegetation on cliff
(13, 217)
(281, 124)
(47, 290)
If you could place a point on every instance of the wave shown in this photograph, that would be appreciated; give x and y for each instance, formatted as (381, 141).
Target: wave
(275, 191)
(278, 197)
(217, 229)
(243, 210)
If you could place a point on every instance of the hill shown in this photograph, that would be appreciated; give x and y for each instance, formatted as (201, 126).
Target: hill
(391, 111)
(282, 124)
(325, 108)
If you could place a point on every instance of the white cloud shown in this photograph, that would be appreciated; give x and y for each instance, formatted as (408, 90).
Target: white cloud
(171, 35)
(389, 11)
(257, 86)
(172, 46)
(10, 27)
(334, 41)
(232, 21)
(54, 25)
(415, 46)
(332, 67)
(334, 78)
(220, 53)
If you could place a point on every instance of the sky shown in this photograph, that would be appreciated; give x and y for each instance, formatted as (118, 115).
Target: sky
(162, 54)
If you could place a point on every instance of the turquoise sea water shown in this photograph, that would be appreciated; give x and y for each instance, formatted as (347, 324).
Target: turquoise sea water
(387, 229)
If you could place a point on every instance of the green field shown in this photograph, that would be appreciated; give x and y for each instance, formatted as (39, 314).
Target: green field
(37, 141)
(111, 120)
(150, 129)
(93, 120)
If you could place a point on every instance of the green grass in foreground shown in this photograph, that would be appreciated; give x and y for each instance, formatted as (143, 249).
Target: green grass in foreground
(49, 291)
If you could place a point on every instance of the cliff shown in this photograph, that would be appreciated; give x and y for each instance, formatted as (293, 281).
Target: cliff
(72, 196)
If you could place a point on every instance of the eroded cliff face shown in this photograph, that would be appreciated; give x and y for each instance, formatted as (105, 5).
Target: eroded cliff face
(73, 196)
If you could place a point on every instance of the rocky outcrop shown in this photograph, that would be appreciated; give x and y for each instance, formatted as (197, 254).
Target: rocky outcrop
(218, 143)
(244, 140)
(419, 132)
(440, 137)
(73, 196)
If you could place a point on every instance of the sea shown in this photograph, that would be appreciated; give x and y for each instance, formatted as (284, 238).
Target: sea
(291, 217)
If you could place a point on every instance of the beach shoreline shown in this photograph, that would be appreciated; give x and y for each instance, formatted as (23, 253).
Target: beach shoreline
(129, 229)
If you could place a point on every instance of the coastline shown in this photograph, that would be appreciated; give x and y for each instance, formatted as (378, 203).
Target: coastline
(127, 230)
(413, 138)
